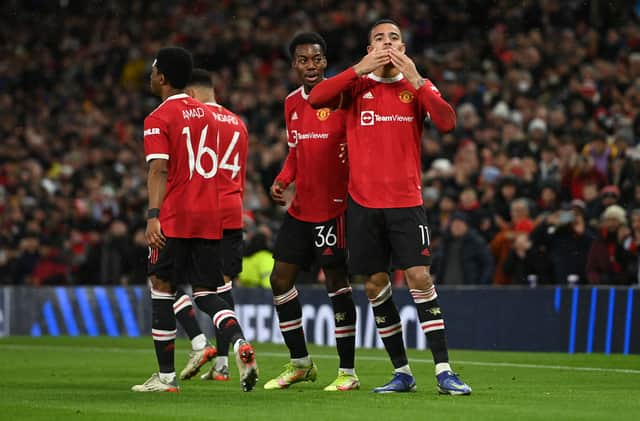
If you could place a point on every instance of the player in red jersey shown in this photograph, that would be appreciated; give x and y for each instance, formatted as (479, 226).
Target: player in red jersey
(313, 228)
(184, 226)
(387, 102)
(233, 146)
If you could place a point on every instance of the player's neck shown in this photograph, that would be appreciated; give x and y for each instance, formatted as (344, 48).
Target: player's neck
(166, 93)
(386, 72)
(308, 88)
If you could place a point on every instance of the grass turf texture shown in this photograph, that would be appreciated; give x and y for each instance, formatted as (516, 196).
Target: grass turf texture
(89, 378)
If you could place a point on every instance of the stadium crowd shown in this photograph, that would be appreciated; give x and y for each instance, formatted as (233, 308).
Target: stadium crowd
(538, 184)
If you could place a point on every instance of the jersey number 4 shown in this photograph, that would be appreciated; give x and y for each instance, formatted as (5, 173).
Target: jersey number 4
(195, 159)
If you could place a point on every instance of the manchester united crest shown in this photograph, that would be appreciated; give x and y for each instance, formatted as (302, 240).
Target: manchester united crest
(323, 114)
(406, 96)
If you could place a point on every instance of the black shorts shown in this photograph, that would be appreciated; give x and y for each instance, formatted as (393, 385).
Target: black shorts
(379, 236)
(303, 243)
(231, 247)
(195, 261)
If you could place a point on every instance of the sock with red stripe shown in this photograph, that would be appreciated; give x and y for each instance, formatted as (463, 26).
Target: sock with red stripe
(221, 342)
(345, 319)
(432, 322)
(290, 316)
(186, 316)
(163, 329)
(223, 316)
(389, 327)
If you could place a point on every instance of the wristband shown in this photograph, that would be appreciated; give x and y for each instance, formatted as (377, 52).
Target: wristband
(153, 213)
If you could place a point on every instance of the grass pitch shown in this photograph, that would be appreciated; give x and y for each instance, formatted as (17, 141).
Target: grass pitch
(89, 379)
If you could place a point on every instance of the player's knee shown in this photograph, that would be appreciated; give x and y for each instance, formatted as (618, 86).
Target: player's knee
(375, 284)
(336, 279)
(280, 283)
(161, 286)
(419, 277)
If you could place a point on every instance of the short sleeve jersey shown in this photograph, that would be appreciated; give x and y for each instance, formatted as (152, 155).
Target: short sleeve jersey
(182, 131)
(321, 178)
(233, 146)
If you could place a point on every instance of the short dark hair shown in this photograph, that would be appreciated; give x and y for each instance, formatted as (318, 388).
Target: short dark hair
(380, 22)
(176, 64)
(201, 77)
(307, 38)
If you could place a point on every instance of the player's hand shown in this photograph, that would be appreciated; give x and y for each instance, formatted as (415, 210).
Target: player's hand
(406, 66)
(342, 153)
(277, 193)
(153, 234)
(372, 61)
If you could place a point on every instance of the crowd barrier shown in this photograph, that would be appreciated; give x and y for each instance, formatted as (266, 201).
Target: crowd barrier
(554, 319)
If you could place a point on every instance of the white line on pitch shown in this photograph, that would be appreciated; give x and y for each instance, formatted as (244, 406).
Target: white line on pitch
(331, 356)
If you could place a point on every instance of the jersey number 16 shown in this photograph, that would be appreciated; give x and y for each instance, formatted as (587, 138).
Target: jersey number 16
(195, 159)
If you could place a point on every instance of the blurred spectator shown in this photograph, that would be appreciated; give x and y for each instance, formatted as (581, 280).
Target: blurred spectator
(502, 242)
(608, 261)
(258, 260)
(566, 240)
(525, 264)
(464, 257)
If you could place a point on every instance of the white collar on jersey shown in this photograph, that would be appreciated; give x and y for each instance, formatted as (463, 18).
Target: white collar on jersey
(396, 78)
(177, 96)
(303, 93)
(214, 104)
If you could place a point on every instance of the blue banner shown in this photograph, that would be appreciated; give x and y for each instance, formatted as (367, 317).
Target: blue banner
(586, 319)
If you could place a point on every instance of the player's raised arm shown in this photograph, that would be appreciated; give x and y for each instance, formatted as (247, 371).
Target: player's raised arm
(329, 92)
(442, 114)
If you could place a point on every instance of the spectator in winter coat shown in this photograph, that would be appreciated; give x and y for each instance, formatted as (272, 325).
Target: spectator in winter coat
(465, 258)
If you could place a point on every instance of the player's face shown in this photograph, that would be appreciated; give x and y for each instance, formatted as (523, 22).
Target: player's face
(384, 37)
(155, 81)
(309, 62)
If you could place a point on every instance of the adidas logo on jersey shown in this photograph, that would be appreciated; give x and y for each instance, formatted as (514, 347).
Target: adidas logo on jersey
(294, 116)
(368, 95)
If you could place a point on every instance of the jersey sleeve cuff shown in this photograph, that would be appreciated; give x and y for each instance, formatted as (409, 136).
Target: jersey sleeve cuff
(157, 156)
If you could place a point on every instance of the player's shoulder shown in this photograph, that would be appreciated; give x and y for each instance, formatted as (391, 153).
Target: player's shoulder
(172, 105)
(295, 95)
(225, 115)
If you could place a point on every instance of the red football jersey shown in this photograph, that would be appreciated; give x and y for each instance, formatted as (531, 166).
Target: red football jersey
(182, 131)
(314, 138)
(232, 168)
(385, 119)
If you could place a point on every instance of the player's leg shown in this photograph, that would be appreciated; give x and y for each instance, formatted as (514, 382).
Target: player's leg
(292, 251)
(410, 243)
(207, 264)
(231, 249)
(344, 311)
(163, 321)
(369, 255)
(330, 251)
(201, 351)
